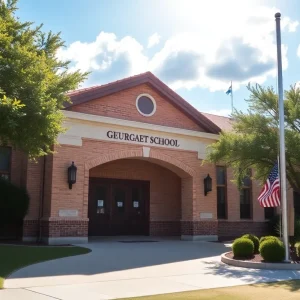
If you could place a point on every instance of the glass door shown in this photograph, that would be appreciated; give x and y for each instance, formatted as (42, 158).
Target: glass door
(119, 216)
(99, 208)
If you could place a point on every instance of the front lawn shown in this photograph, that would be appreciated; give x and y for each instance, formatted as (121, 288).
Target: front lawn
(276, 291)
(13, 258)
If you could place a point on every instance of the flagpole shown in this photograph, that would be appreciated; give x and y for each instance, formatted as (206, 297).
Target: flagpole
(280, 216)
(282, 167)
(231, 98)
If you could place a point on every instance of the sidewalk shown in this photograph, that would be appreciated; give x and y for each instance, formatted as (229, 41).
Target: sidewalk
(118, 270)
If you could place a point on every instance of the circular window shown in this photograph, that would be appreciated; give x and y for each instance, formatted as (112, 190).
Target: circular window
(146, 105)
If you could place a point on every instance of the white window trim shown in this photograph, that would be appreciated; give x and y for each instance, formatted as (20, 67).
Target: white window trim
(153, 101)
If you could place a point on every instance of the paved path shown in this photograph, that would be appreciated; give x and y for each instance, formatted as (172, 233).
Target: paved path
(116, 270)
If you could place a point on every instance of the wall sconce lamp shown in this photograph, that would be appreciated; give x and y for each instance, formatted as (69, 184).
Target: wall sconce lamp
(207, 184)
(72, 170)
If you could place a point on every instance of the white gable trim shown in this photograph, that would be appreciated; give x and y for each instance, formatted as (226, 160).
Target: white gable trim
(140, 125)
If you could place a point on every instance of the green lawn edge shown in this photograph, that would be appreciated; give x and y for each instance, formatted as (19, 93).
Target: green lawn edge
(277, 290)
(16, 257)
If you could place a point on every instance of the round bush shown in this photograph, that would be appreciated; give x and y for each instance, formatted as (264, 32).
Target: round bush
(14, 202)
(243, 247)
(268, 237)
(254, 239)
(272, 250)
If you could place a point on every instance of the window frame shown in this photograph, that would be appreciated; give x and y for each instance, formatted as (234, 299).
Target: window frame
(3, 172)
(225, 192)
(153, 101)
(249, 188)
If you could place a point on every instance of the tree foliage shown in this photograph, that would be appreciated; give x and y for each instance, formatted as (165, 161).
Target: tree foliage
(33, 84)
(253, 142)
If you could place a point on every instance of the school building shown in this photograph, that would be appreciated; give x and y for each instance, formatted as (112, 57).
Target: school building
(131, 163)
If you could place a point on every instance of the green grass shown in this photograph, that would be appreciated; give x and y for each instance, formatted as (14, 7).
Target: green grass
(13, 258)
(289, 290)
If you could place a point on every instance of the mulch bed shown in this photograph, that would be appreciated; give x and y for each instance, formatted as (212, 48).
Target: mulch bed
(257, 257)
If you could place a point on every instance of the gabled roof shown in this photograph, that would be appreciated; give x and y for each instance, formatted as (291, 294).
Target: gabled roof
(225, 123)
(84, 95)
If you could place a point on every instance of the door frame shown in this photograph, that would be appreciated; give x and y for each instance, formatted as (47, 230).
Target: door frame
(113, 181)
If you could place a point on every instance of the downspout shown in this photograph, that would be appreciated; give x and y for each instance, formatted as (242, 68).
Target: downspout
(42, 196)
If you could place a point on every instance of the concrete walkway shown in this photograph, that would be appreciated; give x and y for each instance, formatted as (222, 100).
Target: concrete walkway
(117, 270)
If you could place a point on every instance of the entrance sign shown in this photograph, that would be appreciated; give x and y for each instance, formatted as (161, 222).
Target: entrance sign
(141, 138)
(164, 137)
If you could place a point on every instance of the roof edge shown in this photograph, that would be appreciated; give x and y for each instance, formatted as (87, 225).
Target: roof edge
(93, 93)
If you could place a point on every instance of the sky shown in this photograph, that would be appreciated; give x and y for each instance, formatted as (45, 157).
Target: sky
(196, 47)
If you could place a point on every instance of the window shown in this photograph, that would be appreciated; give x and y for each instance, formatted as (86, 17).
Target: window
(245, 199)
(221, 193)
(269, 212)
(5, 155)
(146, 105)
(297, 203)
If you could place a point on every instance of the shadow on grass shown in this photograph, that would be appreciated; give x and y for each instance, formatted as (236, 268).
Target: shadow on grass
(13, 258)
(291, 285)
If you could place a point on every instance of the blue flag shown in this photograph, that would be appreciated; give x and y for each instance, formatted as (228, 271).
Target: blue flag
(229, 91)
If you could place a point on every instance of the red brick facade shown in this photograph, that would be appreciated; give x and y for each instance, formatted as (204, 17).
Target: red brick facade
(178, 206)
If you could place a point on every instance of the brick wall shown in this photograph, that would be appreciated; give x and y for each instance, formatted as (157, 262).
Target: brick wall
(123, 106)
(164, 228)
(18, 168)
(65, 228)
(30, 228)
(34, 184)
(199, 228)
(228, 230)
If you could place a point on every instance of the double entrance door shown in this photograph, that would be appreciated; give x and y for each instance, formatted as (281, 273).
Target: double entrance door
(118, 207)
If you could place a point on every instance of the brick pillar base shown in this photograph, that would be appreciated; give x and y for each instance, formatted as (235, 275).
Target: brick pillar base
(65, 231)
(30, 230)
(199, 230)
(229, 230)
(164, 228)
(57, 231)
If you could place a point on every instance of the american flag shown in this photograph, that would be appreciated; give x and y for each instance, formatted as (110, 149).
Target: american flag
(269, 196)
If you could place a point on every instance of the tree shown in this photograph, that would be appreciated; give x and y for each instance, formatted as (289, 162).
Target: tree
(33, 84)
(253, 143)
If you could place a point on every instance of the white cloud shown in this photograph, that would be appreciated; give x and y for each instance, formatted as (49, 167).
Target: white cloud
(153, 40)
(219, 112)
(298, 51)
(216, 49)
(293, 26)
(107, 57)
(242, 49)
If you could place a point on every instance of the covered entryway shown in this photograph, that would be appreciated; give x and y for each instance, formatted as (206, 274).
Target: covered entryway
(118, 207)
(136, 196)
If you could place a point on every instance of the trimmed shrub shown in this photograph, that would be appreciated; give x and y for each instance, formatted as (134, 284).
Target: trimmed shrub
(268, 237)
(297, 248)
(272, 250)
(254, 239)
(243, 247)
(14, 202)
